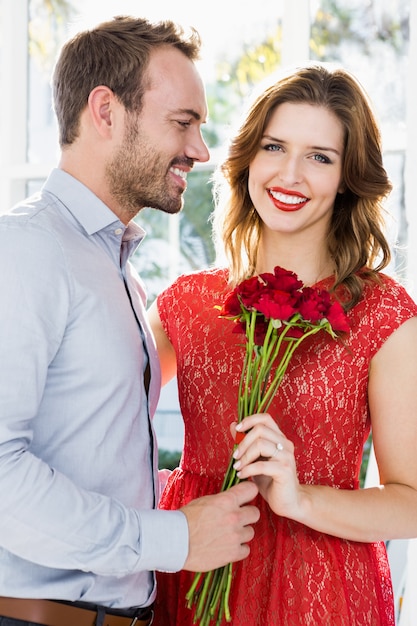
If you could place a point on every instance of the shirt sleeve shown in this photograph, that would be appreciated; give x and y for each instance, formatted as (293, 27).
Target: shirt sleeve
(172, 546)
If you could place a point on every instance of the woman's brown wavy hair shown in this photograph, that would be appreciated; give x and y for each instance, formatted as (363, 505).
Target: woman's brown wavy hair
(355, 240)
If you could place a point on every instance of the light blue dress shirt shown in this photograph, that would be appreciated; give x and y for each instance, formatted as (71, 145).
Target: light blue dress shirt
(78, 459)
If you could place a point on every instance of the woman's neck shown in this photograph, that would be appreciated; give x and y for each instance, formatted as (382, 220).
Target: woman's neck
(311, 263)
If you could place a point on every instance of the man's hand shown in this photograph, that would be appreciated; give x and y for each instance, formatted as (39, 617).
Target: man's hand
(220, 527)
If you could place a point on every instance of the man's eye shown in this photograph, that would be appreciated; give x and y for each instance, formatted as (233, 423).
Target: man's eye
(184, 124)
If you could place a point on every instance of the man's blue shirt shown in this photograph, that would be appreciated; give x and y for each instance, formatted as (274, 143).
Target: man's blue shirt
(78, 458)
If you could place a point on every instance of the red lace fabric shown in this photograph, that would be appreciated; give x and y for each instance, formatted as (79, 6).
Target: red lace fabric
(294, 576)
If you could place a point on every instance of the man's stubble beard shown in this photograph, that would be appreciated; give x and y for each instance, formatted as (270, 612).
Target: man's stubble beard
(138, 176)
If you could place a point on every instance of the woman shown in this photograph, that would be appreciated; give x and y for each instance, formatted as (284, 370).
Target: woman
(301, 188)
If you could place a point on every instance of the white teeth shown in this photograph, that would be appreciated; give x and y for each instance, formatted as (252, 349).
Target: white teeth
(286, 199)
(178, 172)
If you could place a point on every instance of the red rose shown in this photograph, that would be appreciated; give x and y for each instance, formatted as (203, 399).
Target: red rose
(249, 291)
(231, 306)
(277, 305)
(288, 281)
(337, 318)
(313, 304)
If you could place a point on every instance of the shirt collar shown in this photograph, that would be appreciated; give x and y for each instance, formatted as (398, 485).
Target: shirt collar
(76, 197)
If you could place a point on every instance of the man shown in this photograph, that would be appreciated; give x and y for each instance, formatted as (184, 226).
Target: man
(80, 536)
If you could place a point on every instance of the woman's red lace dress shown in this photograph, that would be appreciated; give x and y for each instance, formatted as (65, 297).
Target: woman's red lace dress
(294, 576)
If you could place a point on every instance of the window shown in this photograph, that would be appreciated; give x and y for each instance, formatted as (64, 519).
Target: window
(370, 39)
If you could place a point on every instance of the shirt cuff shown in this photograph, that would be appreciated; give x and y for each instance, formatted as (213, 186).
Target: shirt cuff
(164, 540)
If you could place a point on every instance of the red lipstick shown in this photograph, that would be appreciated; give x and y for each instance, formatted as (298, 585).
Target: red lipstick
(286, 200)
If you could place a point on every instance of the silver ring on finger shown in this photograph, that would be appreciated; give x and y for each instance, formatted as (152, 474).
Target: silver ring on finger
(279, 448)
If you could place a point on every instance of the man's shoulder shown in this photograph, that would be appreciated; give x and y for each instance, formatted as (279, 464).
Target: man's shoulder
(35, 230)
(34, 210)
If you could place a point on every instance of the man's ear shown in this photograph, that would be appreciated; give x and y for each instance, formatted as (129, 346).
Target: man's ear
(101, 104)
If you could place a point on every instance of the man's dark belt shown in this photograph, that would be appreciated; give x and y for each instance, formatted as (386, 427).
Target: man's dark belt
(50, 613)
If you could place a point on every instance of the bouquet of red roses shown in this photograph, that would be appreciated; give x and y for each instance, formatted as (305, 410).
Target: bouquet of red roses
(276, 313)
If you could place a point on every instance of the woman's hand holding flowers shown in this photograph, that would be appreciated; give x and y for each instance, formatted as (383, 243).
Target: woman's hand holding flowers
(267, 456)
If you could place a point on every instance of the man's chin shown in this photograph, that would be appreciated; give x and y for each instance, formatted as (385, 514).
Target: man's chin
(170, 208)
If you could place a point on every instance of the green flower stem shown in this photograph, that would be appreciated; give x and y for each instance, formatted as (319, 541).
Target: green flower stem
(259, 368)
(269, 352)
(230, 477)
(218, 592)
(213, 603)
(250, 320)
(192, 590)
(227, 593)
(269, 395)
(203, 595)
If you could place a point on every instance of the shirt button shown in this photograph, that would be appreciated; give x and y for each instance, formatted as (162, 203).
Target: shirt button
(118, 231)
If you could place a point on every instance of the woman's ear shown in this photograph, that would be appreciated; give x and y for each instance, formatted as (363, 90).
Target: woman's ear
(342, 187)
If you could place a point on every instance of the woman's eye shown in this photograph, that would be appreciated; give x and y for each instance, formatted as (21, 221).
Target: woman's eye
(271, 147)
(321, 158)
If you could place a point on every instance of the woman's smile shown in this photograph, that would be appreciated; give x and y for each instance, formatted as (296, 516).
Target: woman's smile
(286, 200)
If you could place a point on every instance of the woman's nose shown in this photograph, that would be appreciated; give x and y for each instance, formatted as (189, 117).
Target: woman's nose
(290, 170)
